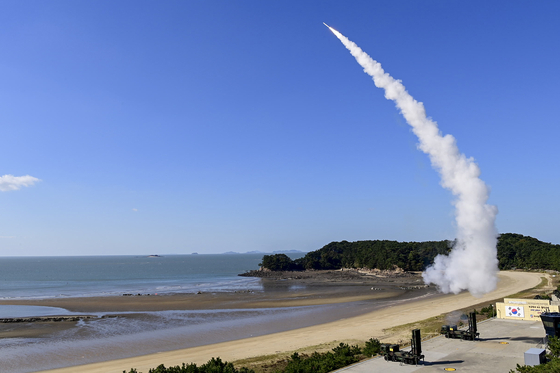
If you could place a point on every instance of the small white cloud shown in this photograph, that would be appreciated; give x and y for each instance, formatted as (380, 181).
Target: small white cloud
(135, 210)
(11, 182)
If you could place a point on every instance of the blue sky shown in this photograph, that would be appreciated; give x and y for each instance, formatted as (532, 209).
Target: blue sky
(213, 126)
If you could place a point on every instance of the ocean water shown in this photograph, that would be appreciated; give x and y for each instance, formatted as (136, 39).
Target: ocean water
(49, 277)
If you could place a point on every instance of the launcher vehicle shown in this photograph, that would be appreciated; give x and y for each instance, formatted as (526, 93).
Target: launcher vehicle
(471, 334)
(391, 352)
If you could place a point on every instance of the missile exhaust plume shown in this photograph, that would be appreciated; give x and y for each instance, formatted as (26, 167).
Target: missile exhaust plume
(472, 264)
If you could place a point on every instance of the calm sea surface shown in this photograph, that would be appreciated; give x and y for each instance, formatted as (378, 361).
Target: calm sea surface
(48, 277)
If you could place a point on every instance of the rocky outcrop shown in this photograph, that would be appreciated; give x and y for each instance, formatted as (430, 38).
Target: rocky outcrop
(340, 274)
(45, 319)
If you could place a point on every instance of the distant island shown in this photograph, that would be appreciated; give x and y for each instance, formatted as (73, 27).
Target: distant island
(288, 252)
(263, 252)
(154, 256)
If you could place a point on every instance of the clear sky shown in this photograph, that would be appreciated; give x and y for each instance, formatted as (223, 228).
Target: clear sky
(213, 126)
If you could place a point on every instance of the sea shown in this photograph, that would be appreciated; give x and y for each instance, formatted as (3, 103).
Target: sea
(79, 276)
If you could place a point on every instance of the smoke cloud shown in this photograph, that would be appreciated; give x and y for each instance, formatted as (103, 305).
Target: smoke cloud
(11, 182)
(472, 264)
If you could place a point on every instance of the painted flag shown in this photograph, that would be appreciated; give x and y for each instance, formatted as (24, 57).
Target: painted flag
(515, 311)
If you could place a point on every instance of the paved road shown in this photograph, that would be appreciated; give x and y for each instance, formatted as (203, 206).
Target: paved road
(484, 355)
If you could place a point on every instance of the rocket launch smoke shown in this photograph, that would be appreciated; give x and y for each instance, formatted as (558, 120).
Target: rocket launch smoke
(472, 264)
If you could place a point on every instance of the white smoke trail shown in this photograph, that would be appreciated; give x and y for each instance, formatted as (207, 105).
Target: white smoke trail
(472, 264)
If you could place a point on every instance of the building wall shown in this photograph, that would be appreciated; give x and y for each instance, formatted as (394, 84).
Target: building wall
(524, 309)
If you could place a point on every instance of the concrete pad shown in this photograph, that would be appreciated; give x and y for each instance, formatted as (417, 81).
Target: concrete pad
(501, 347)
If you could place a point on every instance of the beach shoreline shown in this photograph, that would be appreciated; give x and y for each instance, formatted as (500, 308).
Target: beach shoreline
(351, 330)
(132, 325)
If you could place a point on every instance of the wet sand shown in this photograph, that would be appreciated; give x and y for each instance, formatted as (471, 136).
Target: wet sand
(286, 289)
(311, 295)
(350, 322)
(141, 306)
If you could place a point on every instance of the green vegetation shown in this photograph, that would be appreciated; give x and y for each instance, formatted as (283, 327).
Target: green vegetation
(372, 347)
(216, 365)
(489, 311)
(514, 251)
(518, 251)
(554, 347)
(553, 366)
(341, 356)
(278, 262)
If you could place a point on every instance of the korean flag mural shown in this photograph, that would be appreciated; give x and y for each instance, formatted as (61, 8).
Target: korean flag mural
(515, 311)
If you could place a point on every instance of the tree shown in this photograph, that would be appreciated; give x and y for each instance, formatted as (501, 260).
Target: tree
(278, 262)
(372, 347)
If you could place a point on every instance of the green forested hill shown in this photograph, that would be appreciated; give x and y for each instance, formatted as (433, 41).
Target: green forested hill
(514, 251)
(518, 251)
(410, 256)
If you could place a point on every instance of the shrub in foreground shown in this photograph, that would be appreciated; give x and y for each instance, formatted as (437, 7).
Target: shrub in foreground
(372, 347)
(215, 365)
(341, 356)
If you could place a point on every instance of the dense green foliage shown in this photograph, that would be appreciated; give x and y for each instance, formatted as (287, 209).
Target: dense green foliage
(554, 347)
(514, 251)
(410, 256)
(341, 356)
(372, 347)
(518, 251)
(278, 262)
(216, 365)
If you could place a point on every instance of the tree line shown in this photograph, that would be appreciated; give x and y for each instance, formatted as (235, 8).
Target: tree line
(514, 251)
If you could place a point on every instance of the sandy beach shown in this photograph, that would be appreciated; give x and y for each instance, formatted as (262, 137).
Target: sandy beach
(354, 329)
(318, 288)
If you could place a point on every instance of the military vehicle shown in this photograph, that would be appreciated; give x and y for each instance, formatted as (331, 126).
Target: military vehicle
(391, 352)
(471, 334)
